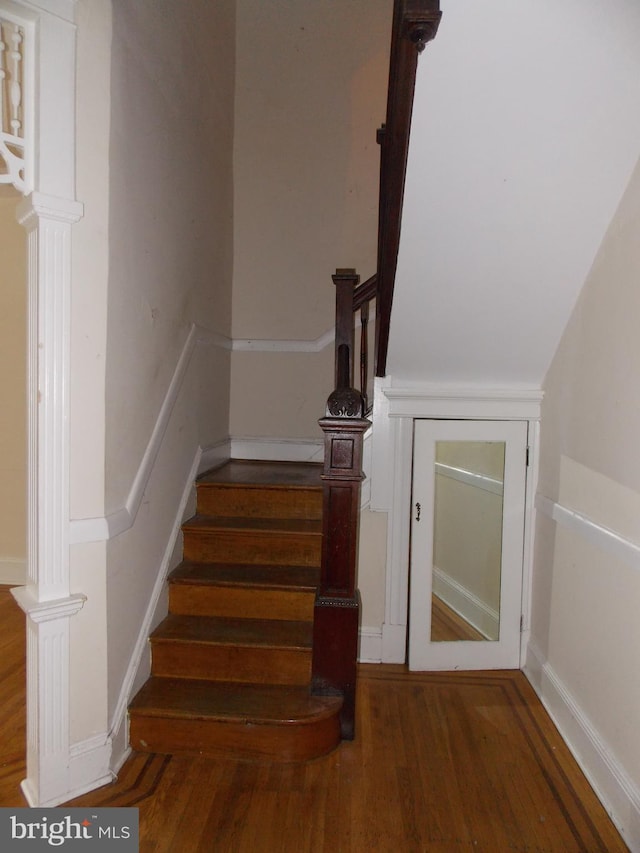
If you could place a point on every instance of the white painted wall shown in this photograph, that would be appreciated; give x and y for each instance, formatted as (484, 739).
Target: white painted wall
(585, 630)
(525, 133)
(13, 390)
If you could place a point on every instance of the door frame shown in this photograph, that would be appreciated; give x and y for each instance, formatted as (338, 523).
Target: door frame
(396, 406)
(504, 652)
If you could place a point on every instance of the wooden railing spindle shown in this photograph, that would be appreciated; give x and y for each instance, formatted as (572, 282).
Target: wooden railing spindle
(364, 354)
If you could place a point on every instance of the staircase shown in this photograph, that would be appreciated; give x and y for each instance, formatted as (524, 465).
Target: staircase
(231, 663)
(265, 604)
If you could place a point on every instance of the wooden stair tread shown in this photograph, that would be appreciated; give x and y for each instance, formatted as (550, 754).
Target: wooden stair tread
(299, 578)
(231, 663)
(299, 526)
(288, 475)
(264, 704)
(238, 632)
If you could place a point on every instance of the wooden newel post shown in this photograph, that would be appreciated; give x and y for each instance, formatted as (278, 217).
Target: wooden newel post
(337, 606)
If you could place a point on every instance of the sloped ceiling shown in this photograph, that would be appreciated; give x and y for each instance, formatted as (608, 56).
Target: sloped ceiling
(526, 130)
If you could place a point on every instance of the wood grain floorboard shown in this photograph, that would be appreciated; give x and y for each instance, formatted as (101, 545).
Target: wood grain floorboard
(442, 762)
(447, 625)
(12, 700)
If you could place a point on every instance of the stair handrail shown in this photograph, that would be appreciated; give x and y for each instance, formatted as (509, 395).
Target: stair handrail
(337, 605)
(415, 22)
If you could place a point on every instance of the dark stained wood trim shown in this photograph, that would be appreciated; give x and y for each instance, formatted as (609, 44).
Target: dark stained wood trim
(365, 292)
(337, 605)
(415, 22)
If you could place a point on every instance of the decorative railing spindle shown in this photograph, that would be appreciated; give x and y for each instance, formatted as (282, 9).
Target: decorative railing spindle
(364, 355)
(12, 143)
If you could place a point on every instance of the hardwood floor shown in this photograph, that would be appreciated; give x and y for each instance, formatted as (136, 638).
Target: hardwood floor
(442, 762)
(447, 625)
(12, 700)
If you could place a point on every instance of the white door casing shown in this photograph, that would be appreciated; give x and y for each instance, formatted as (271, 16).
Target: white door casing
(396, 406)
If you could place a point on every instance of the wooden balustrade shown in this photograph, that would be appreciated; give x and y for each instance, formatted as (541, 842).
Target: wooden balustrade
(337, 605)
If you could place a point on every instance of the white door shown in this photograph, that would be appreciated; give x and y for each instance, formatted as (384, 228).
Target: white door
(467, 534)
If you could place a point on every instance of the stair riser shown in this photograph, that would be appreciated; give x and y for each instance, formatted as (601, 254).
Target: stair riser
(288, 549)
(284, 743)
(230, 502)
(209, 600)
(230, 663)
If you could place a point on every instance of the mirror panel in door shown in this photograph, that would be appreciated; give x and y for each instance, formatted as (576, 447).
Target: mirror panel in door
(485, 449)
(467, 540)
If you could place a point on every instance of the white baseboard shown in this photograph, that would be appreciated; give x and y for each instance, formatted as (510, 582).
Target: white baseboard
(120, 713)
(277, 449)
(214, 455)
(394, 643)
(370, 646)
(617, 792)
(88, 769)
(89, 765)
(12, 571)
(466, 604)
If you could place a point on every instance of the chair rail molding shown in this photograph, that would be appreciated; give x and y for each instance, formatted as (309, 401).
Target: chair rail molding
(45, 103)
(102, 528)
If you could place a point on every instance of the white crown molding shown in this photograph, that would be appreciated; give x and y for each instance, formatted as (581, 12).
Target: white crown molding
(602, 537)
(441, 400)
(616, 790)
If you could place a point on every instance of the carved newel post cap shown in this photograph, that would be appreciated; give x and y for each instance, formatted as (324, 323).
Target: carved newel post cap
(345, 403)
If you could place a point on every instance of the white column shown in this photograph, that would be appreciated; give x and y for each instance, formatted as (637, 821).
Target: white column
(46, 599)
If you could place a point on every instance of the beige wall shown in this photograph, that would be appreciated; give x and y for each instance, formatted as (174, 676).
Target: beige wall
(310, 93)
(90, 270)
(584, 619)
(372, 561)
(170, 265)
(151, 256)
(13, 411)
